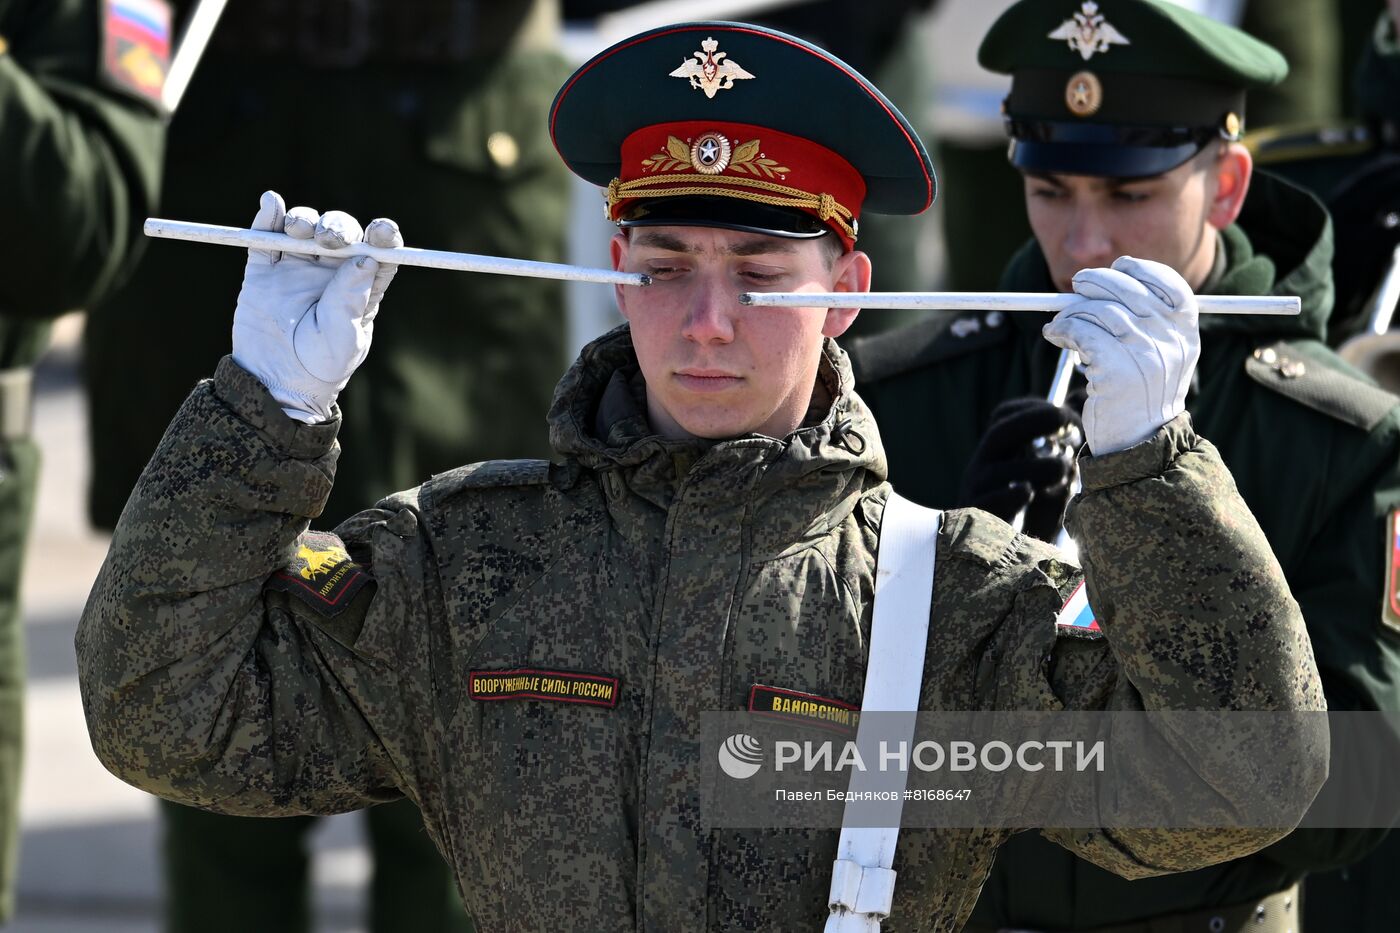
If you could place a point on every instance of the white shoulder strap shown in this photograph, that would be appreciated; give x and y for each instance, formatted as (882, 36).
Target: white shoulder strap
(862, 881)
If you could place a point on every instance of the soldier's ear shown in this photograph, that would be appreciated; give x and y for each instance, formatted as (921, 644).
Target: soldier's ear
(851, 273)
(1232, 168)
(618, 250)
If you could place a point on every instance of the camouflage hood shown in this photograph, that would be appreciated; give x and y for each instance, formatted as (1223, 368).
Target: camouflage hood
(795, 487)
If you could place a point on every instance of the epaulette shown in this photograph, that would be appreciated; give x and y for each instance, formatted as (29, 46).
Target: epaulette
(1302, 141)
(495, 474)
(943, 335)
(978, 535)
(1330, 389)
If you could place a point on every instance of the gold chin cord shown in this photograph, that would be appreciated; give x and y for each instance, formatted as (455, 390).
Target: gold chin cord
(827, 208)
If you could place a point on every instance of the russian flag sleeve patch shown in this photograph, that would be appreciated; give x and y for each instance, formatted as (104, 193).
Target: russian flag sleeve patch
(1390, 608)
(1076, 616)
(136, 42)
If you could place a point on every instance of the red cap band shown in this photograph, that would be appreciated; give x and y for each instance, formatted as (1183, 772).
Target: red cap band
(742, 161)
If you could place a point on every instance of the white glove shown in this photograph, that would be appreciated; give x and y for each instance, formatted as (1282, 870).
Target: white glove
(1137, 335)
(303, 323)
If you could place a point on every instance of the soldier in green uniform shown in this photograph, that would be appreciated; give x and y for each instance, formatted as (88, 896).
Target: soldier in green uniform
(454, 94)
(1124, 122)
(1355, 168)
(1365, 207)
(710, 522)
(80, 149)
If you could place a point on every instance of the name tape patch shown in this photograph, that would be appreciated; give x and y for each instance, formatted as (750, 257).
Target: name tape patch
(1077, 616)
(526, 683)
(322, 574)
(795, 706)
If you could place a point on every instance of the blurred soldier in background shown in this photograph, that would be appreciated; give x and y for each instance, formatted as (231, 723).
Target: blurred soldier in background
(442, 107)
(80, 153)
(1359, 172)
(1127, 143)
(968, 116)
(1354, 166)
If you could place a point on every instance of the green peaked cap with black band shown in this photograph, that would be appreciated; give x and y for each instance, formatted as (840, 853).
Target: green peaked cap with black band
(1121, 88)
(738, 126)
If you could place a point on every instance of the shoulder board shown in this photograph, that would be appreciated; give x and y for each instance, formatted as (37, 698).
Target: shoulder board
(136, 42)
(941, 336)
(978, 535)
(1298, 142)
(499, 474)
(1331, 390)
(496, 474)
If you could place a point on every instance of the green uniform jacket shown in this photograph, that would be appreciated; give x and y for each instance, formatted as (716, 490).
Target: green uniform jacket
(1315, 452)
(79, 169)
(464, 364)
(688, 572)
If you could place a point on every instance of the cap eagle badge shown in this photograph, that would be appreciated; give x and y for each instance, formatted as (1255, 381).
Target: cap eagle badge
(710, 71)
(1088, 32)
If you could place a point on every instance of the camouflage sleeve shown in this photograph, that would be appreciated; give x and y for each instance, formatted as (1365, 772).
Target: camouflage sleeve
(80, 157)
(231, 660)
(1198, 616)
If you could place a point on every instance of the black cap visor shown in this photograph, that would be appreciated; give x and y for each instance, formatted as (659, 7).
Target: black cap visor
(725, 213)
(1108, 151)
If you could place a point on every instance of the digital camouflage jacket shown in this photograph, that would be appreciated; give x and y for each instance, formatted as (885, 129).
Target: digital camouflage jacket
(231, 660)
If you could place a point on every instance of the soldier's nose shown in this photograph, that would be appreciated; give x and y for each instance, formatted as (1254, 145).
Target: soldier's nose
(710, 318)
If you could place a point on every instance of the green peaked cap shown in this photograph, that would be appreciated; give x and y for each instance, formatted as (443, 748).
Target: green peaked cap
(1121, 87)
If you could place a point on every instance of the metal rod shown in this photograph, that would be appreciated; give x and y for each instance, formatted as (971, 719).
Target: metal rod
(191, 49)
(998, 301)
(1064, 374)
(403, 255)
(1386, 295)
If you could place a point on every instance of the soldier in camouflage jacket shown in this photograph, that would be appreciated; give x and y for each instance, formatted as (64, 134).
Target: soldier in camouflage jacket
(233, 660)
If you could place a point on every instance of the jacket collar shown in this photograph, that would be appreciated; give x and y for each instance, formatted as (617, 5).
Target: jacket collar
(792, 488)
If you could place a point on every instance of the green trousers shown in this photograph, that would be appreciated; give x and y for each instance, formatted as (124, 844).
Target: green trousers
(19, 476)
(235, 874)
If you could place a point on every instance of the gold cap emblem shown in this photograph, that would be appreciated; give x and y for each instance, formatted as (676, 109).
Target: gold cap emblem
(1088, 33)
(710, 153)
(1084, 94)
(1232, 126)
(709, 71)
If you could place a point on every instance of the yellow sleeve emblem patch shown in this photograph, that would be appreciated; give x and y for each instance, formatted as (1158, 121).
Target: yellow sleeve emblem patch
(321, 574)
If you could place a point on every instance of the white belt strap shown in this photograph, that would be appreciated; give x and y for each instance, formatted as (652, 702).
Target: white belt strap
(862, 880)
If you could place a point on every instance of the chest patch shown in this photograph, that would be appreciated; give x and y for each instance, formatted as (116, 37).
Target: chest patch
(794, 706)
(1076, 617)
(1390, 612)
(322, 574)
(136, 46)
(527, 683)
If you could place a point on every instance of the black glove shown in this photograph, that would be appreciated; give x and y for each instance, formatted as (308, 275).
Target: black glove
(1010, 472)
